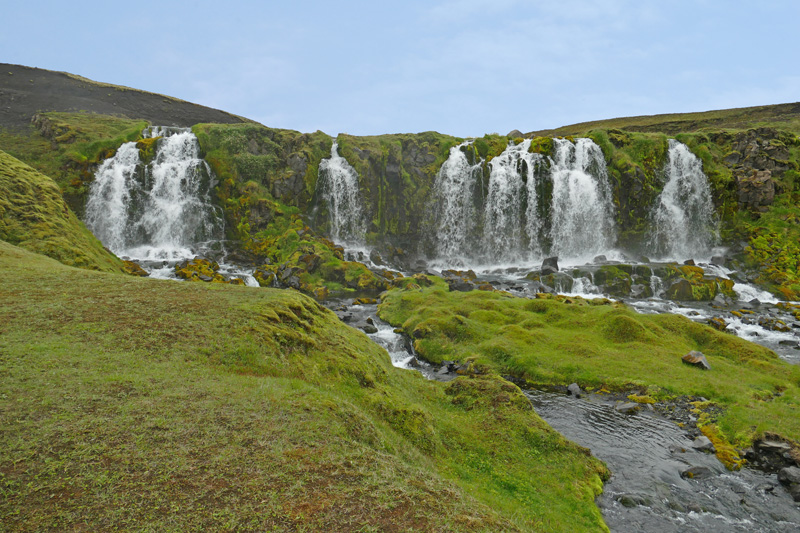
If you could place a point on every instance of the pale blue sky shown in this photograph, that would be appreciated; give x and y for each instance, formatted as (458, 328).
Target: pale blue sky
(463, 67)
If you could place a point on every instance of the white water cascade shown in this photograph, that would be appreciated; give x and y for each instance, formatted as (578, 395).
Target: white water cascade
(156, 211)
(455, 188)
(582, 213)
(338, 186)
(684, 224)
(512, 194)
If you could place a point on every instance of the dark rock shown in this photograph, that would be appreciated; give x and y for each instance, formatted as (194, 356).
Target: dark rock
(549, 266)
(718, 260)
(375, 257)
(680, 290)
(789, 475)
(369, 329)
(293, 282)
(414, 363)
(347, 318)
(600, 259)
(788, 343)
(697, 472)
(697, 359)
(756, 189)
(574, 390)
(370, 321)
(460, 285)
(689, 262)
(717, 323)
(755, 302)
(514, 134)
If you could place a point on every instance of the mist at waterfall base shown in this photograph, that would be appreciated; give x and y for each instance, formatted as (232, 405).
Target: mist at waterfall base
(158, 213)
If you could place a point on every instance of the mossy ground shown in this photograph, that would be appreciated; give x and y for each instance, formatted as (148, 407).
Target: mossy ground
(33, 215)
(598, 343)
(130, 403)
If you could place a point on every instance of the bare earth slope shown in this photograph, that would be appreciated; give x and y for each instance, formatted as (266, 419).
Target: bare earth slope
(25, 91)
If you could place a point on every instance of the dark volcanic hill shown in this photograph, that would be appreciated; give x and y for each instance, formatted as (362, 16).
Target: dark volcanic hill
(25, 91)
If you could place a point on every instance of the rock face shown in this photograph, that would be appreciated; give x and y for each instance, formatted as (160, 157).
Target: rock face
(697, 359)
(790, 478)
(756, 189)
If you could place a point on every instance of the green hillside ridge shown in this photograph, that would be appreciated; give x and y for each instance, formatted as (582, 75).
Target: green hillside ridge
(138, 403)
(603, 344)
(34, 216)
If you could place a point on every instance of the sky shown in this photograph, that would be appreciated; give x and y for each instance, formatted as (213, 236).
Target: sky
(461, 67)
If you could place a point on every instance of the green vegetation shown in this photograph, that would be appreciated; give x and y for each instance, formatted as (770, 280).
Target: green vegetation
(33, 215)
(597, 343)
(67, 146)
(148, 404)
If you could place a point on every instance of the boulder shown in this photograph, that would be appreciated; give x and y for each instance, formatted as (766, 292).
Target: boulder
(697, 359)
(600, 259)
(790, 478)
(549, 266)
(574, 390)
(697, 472)
(703, 444)
(628, 408)
(717, 323)
(375, 257)
(369, 329)
(718, 260)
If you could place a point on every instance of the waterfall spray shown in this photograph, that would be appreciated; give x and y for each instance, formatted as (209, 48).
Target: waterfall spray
(338, 185)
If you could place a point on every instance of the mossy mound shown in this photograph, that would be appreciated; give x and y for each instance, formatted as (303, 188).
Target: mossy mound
(138, 396)
(34, 216)
(560, 340)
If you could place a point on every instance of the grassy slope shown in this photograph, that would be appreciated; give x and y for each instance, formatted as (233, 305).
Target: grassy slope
(781, 116)
(142, 404)
(547, 342)
(34, 216)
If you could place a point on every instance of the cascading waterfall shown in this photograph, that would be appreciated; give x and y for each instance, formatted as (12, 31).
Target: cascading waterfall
(338, 186)
(684, 224)
(510, 210)
(582, 222)
(455, 189)
(156, 211)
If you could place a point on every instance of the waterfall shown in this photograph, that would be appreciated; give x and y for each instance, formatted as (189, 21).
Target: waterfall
(455, 188)
(338, 186)
(510, 200)
(684, 224)
(156, 211)
(582, 223)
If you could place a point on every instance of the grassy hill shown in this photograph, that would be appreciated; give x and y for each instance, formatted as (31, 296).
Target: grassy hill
(781, 116)
(34, 216)
(142, 404)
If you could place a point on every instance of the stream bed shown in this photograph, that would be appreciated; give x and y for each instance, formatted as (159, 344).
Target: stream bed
(645, 452)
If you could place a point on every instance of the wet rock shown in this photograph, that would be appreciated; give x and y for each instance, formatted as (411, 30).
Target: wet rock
(628, 408)
(549, 266)
(414, 363)
(347, 318)
(718, 260)
(697, 359)
(368, 329)
(600, 259)
(633, 500)
(697, 472)
(364, 301)
(689, 262)
(375, 257)
(790, 478)
(703, 444)
(717, 323)
(370, 321)
(574, 390)
(680, 290)
(788, 342)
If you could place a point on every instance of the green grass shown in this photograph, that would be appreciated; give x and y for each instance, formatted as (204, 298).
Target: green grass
(552, 342)
(33, 215)
(152, 405)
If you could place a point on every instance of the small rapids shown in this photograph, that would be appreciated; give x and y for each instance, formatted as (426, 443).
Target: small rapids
(646, 454)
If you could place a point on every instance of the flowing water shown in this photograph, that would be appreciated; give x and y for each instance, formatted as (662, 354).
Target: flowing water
(646, 455)
(582, 211)
(684, 223)
(534, 206)
(338, 188)
(160, 212)
(457, 193)
(511, 221)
